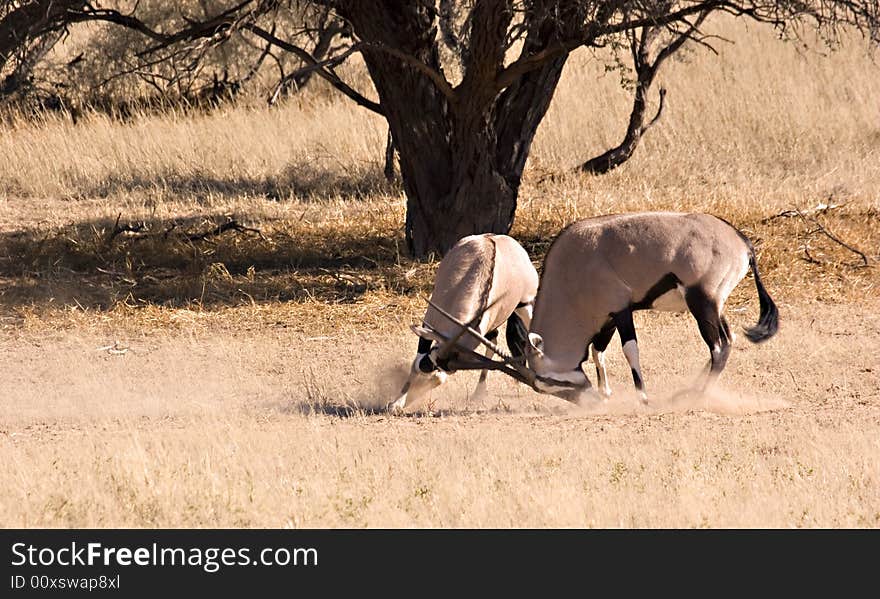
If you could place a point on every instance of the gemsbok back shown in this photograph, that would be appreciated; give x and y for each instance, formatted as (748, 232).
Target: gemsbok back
(485, 281)
(599, 271)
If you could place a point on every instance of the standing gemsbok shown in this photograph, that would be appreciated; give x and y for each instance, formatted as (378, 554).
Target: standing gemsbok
(485, 281)
(600, 270)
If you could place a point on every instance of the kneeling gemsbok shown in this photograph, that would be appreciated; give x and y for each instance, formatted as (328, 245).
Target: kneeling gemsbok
(600, 270)
(485, 281)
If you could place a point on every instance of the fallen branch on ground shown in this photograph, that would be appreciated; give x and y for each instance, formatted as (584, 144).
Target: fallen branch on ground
(820, 228)
(230, 225)
(129, 228)
(142, 231)
(820, 208)
(809, 218)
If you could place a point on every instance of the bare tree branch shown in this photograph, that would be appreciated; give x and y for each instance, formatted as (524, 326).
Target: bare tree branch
(820, 228)
(597, 30)
(321, 68)
(435, 76)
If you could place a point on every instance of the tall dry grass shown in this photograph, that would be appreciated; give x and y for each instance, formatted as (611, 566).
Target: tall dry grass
(764, 124)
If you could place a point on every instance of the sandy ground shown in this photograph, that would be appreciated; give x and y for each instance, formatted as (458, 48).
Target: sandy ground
(268, 426)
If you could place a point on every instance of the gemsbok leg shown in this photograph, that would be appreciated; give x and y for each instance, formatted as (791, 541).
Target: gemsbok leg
(517, 330)
(597, 347)
(623, 320)
(713, 328)
(480, 392)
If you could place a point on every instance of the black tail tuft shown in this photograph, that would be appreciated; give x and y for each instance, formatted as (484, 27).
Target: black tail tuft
(768, 321)
(516, 335)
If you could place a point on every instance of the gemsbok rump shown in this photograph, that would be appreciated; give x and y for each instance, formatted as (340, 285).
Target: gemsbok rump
(485, 281)
(600, 270)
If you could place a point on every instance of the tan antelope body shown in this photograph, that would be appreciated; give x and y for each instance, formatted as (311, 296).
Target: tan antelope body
(487, 278)
(599, 270)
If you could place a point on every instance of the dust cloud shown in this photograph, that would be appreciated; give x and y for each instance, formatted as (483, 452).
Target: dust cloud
(718, 400)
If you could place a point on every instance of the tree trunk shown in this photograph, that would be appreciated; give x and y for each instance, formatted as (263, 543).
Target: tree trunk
(476, 198)
(461, 162)
(389, 158)
(450, 172)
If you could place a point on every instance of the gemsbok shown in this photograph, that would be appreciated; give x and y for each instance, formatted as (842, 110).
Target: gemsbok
(484, 280)
(600, 270)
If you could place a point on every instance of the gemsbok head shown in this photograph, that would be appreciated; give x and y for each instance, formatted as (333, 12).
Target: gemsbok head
(485, 281)
(600, 270)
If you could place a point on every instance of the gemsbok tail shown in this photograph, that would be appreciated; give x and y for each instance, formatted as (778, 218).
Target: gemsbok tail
(768, 321)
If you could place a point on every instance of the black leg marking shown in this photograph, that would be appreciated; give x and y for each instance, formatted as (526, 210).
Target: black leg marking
(492, 335)
(623, 320)
(637, 380)
(516, 334)
(713, 327)
(664, 285)
(600, 343)
(601, 339)
(424, 345)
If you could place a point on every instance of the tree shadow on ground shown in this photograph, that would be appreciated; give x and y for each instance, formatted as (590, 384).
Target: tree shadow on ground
(96, 264)
(335, 410)
(302, 181)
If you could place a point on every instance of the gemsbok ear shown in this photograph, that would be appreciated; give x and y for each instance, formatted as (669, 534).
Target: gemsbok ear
(536, 342)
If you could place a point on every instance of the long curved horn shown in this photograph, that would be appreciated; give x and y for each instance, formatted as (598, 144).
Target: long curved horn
(468, 328)
(510, 366)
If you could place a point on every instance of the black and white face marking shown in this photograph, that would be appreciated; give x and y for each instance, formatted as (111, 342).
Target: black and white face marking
(554, 381)
(566, 385)
(425, 363)
(424, 345)
(419, 383)
(425, 357)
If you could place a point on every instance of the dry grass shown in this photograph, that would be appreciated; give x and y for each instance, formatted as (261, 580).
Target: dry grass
(247, 395)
